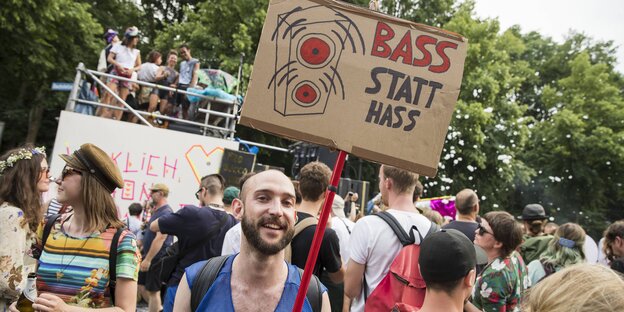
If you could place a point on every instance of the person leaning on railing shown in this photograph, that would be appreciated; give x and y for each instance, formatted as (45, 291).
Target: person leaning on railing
(126, 59)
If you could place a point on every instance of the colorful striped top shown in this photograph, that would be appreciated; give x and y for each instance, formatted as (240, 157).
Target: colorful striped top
(76, 269)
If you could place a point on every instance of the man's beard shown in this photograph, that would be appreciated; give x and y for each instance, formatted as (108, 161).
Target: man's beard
(252, 233)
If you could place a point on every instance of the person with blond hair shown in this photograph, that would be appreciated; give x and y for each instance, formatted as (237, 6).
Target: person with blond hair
(24, 175)
(578, 288)
(565, 249)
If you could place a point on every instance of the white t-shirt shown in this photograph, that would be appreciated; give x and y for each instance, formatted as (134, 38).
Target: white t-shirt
(591, 250)
(602, 257)
(232, 240)
(125, 56)
(147, 72)
(343, 227)
(374, 243)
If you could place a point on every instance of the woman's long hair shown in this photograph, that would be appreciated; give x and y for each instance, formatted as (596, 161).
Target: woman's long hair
(559, 256)
(18, 186)
(99, 206)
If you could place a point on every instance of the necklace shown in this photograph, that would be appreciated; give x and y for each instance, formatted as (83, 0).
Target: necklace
(61, 272)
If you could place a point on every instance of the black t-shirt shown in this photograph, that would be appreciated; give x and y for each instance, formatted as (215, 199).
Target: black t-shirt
(468, 228)
(191, 224)
(329, 255)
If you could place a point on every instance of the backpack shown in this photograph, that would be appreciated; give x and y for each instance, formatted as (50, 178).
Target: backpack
(208, 274)
(300, 226)
(112, 255)
(403, 288)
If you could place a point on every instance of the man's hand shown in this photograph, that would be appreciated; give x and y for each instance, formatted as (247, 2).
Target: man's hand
(353, 197)
(145, 265)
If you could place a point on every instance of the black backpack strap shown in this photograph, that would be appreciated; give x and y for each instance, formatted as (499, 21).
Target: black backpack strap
(205, 279)
(404, 238)
(112, 264)
(46, 231)
(314, 294)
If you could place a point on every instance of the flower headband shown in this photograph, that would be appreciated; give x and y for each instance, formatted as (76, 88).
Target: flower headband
(19, 155)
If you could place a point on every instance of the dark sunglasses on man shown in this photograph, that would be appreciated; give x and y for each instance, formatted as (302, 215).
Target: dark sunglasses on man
(199, 192)
(482, 230)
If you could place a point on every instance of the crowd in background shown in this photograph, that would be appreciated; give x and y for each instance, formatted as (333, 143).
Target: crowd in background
(89, 256)
(121, 58)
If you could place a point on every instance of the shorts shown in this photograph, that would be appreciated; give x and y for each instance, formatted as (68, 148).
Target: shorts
(151, 278)
(120, 83)
(166, 95)
(145, 94)
(181, 97)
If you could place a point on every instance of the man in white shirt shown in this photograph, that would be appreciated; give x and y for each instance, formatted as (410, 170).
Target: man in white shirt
(373, 245)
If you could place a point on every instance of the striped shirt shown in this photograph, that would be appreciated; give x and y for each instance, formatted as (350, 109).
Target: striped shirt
(76, 269)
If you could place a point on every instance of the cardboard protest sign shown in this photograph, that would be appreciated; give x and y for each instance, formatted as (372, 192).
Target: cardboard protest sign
(356, 80)
(235, 164)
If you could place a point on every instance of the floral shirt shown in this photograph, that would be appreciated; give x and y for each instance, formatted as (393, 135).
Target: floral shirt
(16, 261)
(500, 286)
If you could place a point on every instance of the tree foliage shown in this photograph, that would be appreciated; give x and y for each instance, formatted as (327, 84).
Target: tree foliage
(43, 41)
(537, 121)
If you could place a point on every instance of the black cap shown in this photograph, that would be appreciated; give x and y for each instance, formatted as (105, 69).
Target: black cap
(446, 256)
(533, 212)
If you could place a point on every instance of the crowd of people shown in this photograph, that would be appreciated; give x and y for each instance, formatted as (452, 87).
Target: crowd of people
(243, 247)
(122, 58)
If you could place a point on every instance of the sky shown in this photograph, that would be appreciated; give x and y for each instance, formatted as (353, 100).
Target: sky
(600, 19)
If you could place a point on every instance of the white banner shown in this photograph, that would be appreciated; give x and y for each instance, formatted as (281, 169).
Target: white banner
(145, 156)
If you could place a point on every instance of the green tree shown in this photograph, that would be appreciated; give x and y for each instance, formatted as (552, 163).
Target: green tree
(488, 131)
(218, 32)
(578, 148)
(43, 42)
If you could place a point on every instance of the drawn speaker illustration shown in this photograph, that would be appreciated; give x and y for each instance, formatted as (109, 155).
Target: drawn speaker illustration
(308, 54)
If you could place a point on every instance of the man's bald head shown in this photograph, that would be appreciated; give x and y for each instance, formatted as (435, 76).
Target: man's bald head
(465, 201)
(254, 181)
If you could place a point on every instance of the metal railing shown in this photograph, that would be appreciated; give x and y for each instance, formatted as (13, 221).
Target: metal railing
(229, 117)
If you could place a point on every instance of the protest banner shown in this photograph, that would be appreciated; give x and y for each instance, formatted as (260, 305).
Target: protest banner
(145, 156)
(355, 80)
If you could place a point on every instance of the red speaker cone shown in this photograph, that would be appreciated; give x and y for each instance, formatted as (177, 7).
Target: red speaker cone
(315, 51)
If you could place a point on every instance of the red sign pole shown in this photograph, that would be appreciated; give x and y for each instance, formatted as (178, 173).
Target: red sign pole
(320, 230)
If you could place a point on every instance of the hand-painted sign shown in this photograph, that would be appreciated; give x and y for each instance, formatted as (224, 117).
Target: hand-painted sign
(345, 77)
(145, 156)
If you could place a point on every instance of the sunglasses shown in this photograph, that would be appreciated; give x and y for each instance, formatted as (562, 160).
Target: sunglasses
(67, 171)
(482, 230)
(198, 192)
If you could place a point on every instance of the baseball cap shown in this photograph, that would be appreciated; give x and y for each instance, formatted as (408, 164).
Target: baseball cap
(533, 212)
(160, 187)
(446, 255)
(229, 194)
(109, 35)
(338, 206)
(131, 32)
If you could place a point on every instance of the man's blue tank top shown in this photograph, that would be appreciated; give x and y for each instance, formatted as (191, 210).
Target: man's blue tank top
(219, 296)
